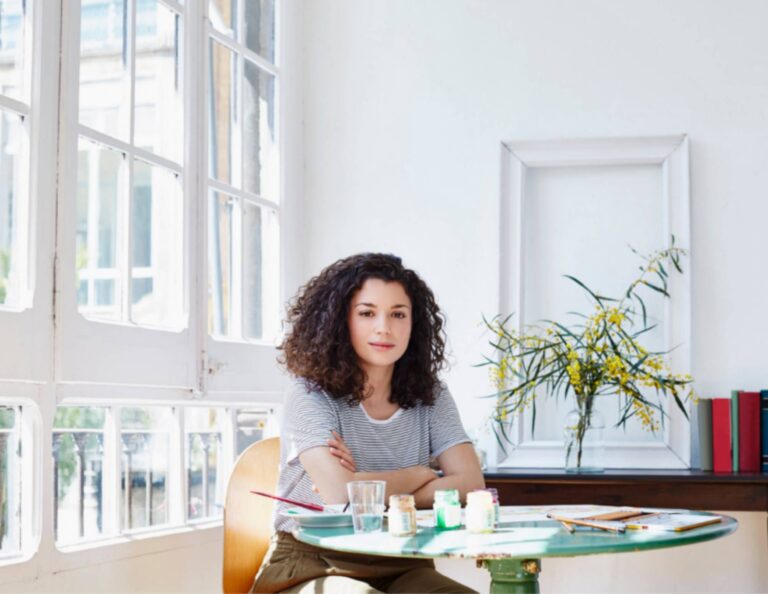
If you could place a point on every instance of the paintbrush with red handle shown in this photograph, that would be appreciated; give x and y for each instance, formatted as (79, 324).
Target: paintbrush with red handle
(303, 504)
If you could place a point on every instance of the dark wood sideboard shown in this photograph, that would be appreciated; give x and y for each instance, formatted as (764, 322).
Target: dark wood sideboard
(690, 489)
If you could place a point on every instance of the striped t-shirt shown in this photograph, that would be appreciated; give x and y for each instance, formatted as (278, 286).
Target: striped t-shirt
(409, 437)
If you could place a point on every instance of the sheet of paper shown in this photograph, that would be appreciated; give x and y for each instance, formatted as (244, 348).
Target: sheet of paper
(518, 514)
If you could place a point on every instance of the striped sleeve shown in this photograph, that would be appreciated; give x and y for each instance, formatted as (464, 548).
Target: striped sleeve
(308, 419)
(445, 428)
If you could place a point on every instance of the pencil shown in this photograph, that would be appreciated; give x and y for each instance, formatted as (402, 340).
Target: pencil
(610, 527)
(567, 526)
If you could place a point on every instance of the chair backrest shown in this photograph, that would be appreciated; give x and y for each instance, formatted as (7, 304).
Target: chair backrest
(248, 517)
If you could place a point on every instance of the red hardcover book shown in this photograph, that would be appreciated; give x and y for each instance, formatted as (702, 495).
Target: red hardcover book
(749, 431)
(722, 460)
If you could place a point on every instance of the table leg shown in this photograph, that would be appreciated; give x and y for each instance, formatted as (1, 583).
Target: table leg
(513, 576)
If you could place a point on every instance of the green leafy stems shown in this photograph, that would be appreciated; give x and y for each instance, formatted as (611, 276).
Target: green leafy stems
(602, 354)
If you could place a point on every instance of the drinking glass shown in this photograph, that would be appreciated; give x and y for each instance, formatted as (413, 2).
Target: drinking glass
(366, 498)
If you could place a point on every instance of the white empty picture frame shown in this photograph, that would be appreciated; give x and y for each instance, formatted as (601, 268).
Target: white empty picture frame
(571, 207)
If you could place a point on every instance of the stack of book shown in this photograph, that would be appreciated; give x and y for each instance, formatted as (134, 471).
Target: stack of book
(733, 432)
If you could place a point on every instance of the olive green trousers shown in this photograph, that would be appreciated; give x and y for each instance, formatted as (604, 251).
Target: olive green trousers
(293, 567)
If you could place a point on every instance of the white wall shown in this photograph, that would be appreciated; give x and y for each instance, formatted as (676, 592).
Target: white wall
(405, 106)
(178, 569)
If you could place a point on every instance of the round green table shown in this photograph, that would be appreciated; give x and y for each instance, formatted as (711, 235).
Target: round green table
(513, 552)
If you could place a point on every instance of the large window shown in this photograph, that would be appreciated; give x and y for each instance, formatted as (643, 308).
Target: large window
(140, 198)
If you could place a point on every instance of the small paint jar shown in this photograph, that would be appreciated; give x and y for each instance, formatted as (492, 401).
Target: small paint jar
(401, 517)
(496, 507)
(447, 508)
(480, 514)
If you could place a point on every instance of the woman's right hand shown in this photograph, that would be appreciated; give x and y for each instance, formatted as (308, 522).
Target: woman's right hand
(425, 474)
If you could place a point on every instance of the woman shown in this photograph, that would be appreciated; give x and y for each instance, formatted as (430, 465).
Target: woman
(366, 344)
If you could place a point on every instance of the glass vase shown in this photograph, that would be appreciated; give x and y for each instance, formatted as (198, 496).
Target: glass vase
(584, 439)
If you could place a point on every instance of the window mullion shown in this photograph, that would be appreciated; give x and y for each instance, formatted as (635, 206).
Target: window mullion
(29, 27)
(226, 188)
(240, 27)
(124, 147)
(125, 184)
(112, 469)
(23, 221)
(259, 201)
(229, 440)
(236, 287)
(126, 226)
(176, 483)
(239, 48)
(13, 449)
(15, 106)
(92, 156)
(173, 5)
(237, 124)
(196, 191)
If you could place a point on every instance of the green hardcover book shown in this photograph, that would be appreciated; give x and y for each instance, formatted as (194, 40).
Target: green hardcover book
(735, 429)
(704, 410)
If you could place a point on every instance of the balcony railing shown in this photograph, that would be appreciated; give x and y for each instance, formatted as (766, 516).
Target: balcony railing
(206, 442)
(141, 454)
(84, 469)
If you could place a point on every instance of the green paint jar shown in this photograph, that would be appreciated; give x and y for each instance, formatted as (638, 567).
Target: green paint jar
(447, 508)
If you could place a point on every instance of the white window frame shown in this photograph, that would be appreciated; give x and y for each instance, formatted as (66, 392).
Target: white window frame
(232, 365)
(126, 353)
(23, 199)
(96, 363)
(671, 155)
(38, 194)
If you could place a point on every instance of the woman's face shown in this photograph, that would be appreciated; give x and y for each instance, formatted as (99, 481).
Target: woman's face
(380, 322)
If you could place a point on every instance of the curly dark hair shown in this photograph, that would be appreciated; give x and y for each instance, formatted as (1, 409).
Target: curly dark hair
(318, 348)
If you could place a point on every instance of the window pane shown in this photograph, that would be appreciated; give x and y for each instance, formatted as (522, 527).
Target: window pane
(78, 441)
(156, 247)
(222, 123)
(259, 27)
(12, 225)
(205, 474)
(260, 156)
(145, 441)
(10, 482)
(251, 424)
(104, 78)
(12, 30)
(220, 265)
(260, 272)
(96, 241)
(223, 15)
(159, 105)
(153, 253)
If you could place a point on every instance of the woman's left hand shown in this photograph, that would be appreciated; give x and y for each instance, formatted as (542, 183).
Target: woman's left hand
(342, 452)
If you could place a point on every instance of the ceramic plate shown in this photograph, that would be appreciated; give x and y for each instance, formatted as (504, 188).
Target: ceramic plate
(332, 517)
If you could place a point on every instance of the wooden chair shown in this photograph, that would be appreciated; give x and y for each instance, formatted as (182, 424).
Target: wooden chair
(248, 517)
